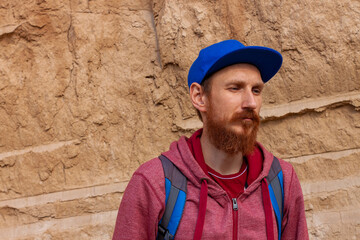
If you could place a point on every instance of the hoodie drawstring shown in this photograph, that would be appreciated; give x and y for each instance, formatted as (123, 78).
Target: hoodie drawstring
(203, 202)
(202, 210)
(268, 210)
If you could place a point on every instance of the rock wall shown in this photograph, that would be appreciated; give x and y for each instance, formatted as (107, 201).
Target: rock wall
(89, 90)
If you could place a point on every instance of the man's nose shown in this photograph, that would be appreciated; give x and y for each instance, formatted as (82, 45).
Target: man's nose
(249, 100)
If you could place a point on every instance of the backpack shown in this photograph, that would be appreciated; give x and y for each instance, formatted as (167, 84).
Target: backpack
(175, 189)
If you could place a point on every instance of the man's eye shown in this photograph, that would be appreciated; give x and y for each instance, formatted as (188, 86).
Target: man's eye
(256, 91)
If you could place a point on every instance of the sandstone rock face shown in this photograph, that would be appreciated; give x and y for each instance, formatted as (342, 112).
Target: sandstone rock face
(89, 90)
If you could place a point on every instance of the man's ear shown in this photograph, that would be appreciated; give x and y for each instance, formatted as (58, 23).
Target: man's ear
(198, 97)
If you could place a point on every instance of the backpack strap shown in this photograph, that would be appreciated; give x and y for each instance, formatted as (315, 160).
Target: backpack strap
(276, 191)
(175, 189)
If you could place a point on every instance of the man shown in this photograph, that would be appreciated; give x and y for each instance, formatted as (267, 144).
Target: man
(226, 169)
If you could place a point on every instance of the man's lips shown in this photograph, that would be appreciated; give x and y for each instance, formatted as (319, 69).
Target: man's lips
(247, 117)
(244, 119)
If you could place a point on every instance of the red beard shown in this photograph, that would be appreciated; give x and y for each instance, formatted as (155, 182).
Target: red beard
(229, 141)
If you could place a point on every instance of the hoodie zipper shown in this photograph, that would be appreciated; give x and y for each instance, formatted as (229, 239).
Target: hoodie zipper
(235, 217)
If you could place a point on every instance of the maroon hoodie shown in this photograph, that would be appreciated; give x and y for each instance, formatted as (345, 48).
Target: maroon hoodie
(143, 203)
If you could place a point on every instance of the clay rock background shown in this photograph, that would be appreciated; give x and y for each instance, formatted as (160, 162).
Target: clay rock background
(89, 90)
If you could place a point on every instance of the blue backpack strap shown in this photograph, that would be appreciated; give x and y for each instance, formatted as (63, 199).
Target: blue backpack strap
(175, 189)
(276, 190)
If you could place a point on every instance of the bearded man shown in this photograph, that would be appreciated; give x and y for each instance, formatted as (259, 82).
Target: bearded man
(228, 193)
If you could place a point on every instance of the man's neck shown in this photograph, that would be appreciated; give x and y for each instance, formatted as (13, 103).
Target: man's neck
(220, 161)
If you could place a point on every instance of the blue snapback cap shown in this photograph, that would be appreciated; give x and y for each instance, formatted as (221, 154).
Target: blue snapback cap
(223, 54)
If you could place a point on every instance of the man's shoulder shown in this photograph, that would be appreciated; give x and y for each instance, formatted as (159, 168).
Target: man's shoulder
(150, 169)
(285, 165)
(149, 177)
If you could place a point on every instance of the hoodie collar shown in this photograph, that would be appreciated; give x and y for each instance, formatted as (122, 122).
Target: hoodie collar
(180, 154)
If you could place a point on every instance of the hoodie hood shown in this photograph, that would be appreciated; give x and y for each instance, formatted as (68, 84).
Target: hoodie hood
(180, 154)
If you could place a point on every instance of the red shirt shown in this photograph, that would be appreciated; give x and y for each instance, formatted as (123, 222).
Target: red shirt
(233, 184)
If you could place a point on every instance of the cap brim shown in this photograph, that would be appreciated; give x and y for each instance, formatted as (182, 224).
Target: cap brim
(267, 60)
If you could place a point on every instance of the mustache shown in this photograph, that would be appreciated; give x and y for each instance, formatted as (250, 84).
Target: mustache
(251, 114)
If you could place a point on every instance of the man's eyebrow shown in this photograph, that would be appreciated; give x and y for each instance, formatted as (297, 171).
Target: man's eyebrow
(242, 81)
(260, 85)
